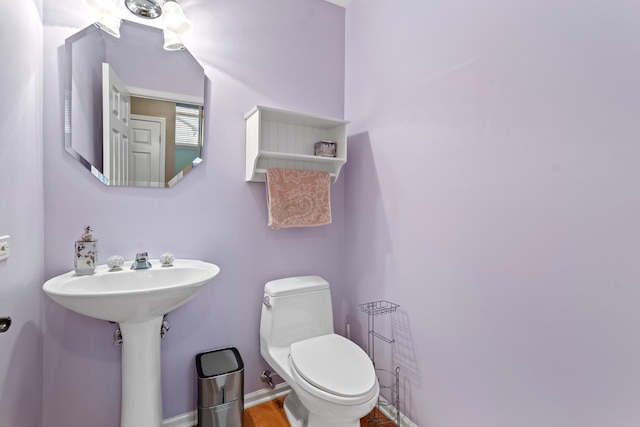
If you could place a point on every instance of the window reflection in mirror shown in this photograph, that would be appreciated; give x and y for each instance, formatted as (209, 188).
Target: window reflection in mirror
(165, 97)
(188, 135)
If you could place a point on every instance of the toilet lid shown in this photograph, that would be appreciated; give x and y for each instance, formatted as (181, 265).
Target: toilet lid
(334, 364)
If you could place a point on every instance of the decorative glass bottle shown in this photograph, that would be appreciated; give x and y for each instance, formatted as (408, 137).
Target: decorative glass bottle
(86, 253)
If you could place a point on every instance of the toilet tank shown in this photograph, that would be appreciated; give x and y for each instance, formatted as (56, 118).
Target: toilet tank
(294, 309)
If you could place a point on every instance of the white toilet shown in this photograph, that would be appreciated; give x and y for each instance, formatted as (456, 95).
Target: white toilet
(333, 381)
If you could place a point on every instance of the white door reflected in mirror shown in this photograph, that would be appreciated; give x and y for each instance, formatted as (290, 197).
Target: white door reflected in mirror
(146, 151)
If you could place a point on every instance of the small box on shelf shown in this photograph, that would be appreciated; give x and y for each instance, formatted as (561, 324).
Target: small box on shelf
(325, 148)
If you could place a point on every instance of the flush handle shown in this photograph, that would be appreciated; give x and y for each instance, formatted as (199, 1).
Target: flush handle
(266, 301)
(5, 324)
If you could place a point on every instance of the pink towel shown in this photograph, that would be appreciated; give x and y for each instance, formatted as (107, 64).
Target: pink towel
(298, 198)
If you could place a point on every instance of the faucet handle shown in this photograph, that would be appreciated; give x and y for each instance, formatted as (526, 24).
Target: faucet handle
(167, 259)
(115, 263)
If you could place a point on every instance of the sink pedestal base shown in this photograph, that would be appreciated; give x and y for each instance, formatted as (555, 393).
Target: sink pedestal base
(141, 384)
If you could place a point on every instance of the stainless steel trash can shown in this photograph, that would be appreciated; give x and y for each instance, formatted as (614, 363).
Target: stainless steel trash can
(220, 388)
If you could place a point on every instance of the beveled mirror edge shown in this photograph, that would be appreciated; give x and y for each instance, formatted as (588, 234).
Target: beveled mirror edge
(67, 99)
(68, 120)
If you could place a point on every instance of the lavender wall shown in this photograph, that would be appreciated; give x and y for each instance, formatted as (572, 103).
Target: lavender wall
(283, 53)
(153, 68)
(21, 214)
(492, 191)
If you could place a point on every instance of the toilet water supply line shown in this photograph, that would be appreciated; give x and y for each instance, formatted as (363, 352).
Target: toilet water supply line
(265, 377)
(164, 328)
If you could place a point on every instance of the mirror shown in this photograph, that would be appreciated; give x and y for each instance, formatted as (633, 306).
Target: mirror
(150, 133)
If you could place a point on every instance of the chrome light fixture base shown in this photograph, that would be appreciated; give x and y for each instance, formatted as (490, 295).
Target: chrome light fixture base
(145, 8)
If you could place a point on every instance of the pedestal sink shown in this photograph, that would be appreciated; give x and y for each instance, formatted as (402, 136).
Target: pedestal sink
(137, 300)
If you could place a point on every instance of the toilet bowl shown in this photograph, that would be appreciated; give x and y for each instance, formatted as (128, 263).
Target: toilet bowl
(332, 380)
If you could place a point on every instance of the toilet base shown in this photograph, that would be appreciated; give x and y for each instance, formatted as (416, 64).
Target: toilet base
(299, 416)
(296, 413)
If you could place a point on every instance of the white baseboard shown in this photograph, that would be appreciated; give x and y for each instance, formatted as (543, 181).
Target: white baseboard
(258, 397)
(190, 419)
(390, 412)
(265, 394)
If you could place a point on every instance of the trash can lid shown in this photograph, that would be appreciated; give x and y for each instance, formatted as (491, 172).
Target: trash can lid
(218, 362)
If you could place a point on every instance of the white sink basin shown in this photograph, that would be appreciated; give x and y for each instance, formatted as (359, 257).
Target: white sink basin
(131, 295)
(137, 300)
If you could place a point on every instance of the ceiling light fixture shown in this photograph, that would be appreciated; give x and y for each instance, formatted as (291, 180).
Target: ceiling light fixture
(175, 22)
(106, 19)
(174, 18)
(171, 40)
(145, 8)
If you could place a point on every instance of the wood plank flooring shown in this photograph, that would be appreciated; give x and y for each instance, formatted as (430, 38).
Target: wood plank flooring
(268, 414)
(271, 414)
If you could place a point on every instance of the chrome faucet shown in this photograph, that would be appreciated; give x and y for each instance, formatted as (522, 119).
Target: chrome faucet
(141, 262)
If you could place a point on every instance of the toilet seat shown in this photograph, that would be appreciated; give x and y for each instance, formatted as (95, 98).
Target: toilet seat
(333, 368)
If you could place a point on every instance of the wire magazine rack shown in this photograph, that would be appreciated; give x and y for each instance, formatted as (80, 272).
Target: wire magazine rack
(388, 380)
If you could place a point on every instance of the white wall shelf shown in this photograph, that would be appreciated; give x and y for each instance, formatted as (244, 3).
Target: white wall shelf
(284, 139)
